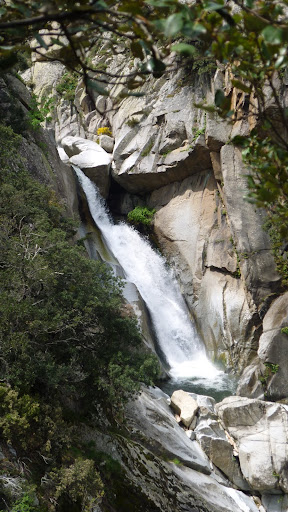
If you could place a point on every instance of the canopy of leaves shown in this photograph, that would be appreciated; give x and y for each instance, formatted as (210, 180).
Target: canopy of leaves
(249, 37)
(71, 31)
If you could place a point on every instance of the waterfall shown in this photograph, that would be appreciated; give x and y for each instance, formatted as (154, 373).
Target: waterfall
(178, 341)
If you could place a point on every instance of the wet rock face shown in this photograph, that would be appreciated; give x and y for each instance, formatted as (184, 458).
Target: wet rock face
(196, 237)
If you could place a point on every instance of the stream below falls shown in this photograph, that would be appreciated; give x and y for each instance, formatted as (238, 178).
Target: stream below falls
(179, 346)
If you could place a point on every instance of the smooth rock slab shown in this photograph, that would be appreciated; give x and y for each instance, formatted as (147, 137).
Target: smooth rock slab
(107, 143)
(260, 430)
(143, 171)
(257, 263)
(275, 503)
(184, 405)
(151, 416)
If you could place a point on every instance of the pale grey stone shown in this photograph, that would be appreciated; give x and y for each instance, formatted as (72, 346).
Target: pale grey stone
(272, 503)
(217, 132)
(91, 159)
(212, 439)
(257, 263)
(260, 431)
(106, 142)
(185, 406)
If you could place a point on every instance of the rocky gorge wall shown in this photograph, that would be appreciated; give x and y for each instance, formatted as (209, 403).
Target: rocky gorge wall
(168, 154)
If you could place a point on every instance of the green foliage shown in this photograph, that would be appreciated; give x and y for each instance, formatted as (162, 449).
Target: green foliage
(141, 215)
(132, 122)
(147, 150)
(198, 132)
(36, 115)
(14, 116)
(16, 414)
(237, 272)
(284, 330)
(176, 461)
(25, 504)
(79, 482)
(58, 308)
(268, 177)
(67, 86)
(276, 229)
(273, 368)
(270, 370)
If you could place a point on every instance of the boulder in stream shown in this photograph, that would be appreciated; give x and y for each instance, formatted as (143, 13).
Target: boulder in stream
(185, 406)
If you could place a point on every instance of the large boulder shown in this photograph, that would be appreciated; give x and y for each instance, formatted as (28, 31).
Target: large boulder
(260, 431)
(215, 442)
(275, 503)
(144, 169)
(164, 465)
(185, 406)
(91, 159)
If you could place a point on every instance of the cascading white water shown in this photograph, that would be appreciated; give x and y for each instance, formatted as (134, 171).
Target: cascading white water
(176, 335)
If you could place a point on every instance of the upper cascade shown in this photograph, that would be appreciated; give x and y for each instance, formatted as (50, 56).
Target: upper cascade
(179, 343)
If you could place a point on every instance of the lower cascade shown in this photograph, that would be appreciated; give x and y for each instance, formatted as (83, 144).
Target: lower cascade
(178, 341)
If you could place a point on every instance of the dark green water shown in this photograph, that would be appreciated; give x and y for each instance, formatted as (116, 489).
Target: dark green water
(219, 387)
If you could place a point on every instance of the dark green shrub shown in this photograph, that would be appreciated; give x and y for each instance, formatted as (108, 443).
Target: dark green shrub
(141, 215)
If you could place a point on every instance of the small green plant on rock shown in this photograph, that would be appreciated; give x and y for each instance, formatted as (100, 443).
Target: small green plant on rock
(198, 132)
(141, 215)
(36, 116)
(284, 330)
(25, 504)
(273, 368)
(132, 122)
(147, 150)
(67, 85)
(237, 272)
(270, 369)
